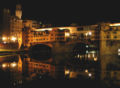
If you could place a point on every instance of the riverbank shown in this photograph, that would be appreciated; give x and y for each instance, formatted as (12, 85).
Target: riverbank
(12, 51)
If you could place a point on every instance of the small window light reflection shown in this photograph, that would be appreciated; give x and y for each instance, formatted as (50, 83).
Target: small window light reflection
(118, 50)
(90, 33)
(87, 52)
(78, 56)
(67, 72)
(95, 59)
(89, 55)
(93, 55)
(118, 54)
(90, 75)
(86, 70)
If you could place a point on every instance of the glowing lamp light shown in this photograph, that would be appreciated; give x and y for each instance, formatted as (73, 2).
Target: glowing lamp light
(86, 70)
(13, 64)
(115, 24)
(87, 51)
(95, 59)
(118, 50)
(86, 34)
(13, 38)
(67, 72)
(4, 65)
(89, 33)
(4, 38)
(89, 74)
(67, 34)
(4, 42)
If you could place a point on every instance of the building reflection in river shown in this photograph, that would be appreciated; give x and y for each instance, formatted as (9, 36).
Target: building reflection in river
(23, 69)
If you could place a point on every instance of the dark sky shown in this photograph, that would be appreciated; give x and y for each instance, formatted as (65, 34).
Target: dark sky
(67, 11)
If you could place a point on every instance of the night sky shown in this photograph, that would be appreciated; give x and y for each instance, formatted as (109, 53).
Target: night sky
(67, 11)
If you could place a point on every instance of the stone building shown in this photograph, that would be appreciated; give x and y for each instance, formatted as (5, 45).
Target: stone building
(110, 51)
(37, 36)
(12, 26)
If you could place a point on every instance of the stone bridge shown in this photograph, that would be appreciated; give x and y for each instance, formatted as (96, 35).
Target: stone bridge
(62, 50)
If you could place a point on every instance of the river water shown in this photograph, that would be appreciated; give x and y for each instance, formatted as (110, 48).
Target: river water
(26, 71)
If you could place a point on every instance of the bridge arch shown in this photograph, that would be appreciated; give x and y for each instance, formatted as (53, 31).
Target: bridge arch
(40, 51)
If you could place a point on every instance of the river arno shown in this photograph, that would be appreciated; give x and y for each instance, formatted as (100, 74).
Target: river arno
(28, 71)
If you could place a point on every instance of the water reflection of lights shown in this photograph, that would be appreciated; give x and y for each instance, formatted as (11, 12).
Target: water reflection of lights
(67, 72)
(13, 38)
(95, 59)
(86, 70)
(89, 74)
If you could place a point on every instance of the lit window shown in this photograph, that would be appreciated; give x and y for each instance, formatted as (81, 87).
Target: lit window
(90, 33)
(118, 54)
(89, 74)
(118, 50)
(89, 55)
(93, 55)
(87, 52)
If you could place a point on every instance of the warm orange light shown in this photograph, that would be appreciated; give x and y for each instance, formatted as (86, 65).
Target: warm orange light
(115, 24)
(4, 38)
(86, 70)
(89, 74)
(67, 34)
(4, 65)
(95, 59)
(13, 38)
(89, 33)
(67, 72)
(13, 64)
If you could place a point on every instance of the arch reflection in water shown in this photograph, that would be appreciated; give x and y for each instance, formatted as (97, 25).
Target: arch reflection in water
(40, 52)
(33, 68)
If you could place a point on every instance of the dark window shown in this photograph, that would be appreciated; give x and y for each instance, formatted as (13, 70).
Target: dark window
(79, 29)
(107, 36)
(115, 32)
(115, 36)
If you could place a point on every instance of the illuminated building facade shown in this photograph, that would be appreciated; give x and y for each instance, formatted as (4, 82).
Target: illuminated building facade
(12, 26)
(109, 51)
(37, 36)
(31, 24)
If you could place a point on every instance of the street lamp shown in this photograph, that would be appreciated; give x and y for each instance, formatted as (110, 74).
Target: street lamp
(14, 39)
(4, 38)
(13, 64)
(67, 34)
(4, 65)
(67, 72)
(89, 74)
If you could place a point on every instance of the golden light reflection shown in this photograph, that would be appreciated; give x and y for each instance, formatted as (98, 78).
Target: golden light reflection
(89, 74)
(67, 34)
(13, 38)
(4, 38)
(115, 24)
(86, 70)
(4, 65)
(95, 59)
(67, 72)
